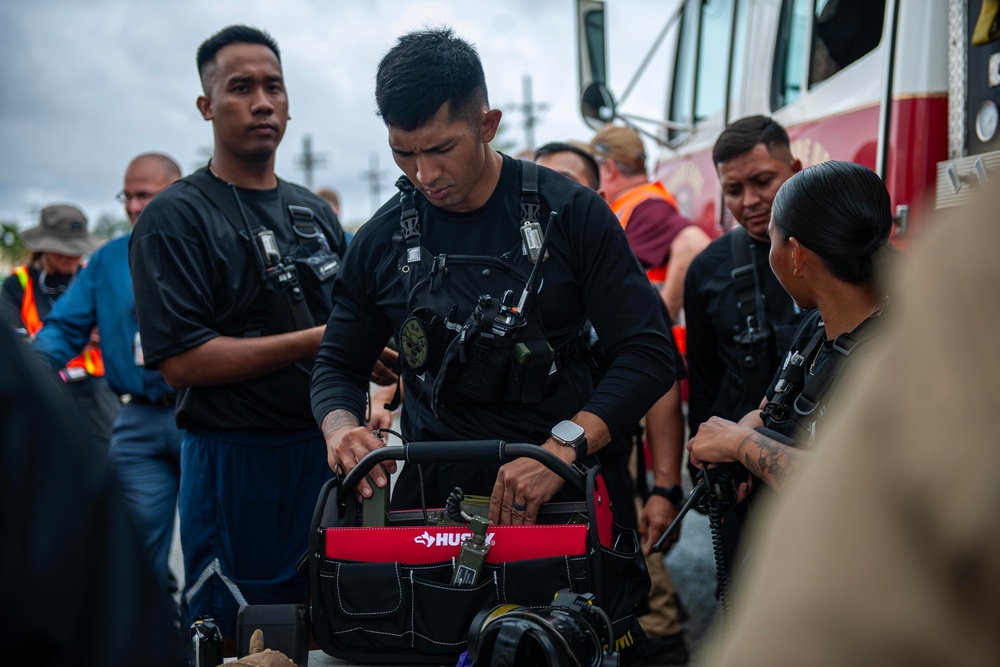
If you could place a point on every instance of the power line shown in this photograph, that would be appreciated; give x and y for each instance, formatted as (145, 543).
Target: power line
(374, 177)
(530, 110)
(309, 160)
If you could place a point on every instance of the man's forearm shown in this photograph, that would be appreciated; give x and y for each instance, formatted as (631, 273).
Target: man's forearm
(769, 459)
(225, 359)
(337, 420)
(665, 434)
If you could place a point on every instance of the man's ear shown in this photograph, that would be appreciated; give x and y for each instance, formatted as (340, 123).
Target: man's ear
(204, 104)
(489, 123)
(796, 166)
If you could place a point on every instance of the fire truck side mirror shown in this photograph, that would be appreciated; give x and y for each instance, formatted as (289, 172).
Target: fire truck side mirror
(597, 105)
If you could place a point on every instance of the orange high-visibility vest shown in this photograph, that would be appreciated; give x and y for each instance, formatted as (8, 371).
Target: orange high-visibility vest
(89, 360)
(624, 205)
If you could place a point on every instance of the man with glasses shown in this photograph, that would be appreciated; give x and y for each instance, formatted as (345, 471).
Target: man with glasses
(145, 445)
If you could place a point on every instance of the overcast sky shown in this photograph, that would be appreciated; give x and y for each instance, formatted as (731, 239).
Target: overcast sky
(88, 85)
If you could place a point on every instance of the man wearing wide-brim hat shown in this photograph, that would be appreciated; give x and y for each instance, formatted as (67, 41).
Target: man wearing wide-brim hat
(58, 245)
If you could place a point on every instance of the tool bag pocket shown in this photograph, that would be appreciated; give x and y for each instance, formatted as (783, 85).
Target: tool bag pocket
(383, 594)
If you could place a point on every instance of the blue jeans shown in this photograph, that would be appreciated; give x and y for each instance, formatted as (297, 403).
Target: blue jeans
(145, 454)
(246, 503)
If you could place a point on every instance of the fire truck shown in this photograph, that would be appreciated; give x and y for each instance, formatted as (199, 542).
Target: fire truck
(909, 89)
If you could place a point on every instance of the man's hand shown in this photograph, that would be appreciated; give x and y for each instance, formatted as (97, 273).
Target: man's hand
(656, 517)
(386, 369)
(523, 485)
(347, 443)
(718, 441)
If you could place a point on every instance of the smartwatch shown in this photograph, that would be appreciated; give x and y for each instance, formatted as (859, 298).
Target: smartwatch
(571, 434)
(674, 493)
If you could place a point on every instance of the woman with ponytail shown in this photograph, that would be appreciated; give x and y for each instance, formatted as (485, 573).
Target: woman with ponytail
(829, 233)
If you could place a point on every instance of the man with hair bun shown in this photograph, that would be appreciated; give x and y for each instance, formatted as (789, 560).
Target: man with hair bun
(829, 232)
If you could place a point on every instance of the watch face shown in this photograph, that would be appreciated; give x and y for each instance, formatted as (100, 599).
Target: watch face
(568, 432)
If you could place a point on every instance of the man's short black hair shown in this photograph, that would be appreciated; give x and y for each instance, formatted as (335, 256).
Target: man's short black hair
(233, 34)
(742, 135)
(424, 70)
(593, 172)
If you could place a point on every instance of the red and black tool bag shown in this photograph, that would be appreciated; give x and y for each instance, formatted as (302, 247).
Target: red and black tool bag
(383, 594)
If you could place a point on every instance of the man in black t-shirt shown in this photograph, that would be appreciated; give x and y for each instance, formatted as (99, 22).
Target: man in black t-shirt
(728, 378)
(457, 227)
(233, 271)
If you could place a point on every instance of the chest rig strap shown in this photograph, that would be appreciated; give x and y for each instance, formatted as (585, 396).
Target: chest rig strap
(797, 395)
(407, 240)
(531, 205)
(753, 338)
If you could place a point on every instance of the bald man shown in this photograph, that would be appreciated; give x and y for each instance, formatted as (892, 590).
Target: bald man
(145, 445)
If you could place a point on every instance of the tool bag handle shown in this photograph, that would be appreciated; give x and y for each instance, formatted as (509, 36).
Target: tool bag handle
(464, 451)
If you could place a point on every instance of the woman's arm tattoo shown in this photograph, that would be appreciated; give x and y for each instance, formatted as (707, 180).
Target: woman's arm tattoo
(773, 461)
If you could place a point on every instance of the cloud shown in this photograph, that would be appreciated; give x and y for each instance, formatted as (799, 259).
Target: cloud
(88, 85)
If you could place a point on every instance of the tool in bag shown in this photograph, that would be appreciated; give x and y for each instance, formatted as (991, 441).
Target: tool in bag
(384, 593)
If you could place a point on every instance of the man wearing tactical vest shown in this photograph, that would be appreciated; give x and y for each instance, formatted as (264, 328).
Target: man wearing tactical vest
(58, 244)
(232, 270)
(454, 250)
(739, 319)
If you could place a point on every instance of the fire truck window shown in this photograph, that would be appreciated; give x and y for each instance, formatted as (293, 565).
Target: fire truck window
(789, 52)
(682, 88)
(713, 57)
(844, 31)
(702, 61)
(739, 44)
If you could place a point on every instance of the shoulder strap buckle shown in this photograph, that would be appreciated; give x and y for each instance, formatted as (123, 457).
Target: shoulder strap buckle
(531, 205)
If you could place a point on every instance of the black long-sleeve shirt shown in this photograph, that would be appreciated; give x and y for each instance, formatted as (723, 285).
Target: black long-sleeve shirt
(590, 273)
(713, 320)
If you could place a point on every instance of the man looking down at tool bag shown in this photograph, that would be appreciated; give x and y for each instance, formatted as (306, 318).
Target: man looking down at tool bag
(485, 268)
(829, 234)
(233, 271)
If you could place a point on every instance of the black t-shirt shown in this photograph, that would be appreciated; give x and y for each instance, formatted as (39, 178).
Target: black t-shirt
(196, 276)
(713, 320)
(590, 272)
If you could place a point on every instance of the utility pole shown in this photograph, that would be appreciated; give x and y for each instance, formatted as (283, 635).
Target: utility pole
(374, 178)
(309, 160)
(529, 109)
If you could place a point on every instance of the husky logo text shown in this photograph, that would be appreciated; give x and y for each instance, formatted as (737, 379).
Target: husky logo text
(446, 539)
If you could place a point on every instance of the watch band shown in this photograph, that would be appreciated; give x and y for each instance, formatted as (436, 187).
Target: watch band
(674, 493)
